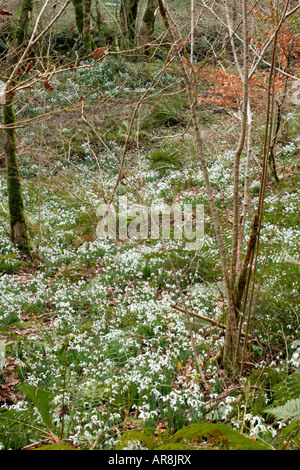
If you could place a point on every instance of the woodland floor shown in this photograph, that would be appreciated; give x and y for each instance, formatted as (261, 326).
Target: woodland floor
(90, 322)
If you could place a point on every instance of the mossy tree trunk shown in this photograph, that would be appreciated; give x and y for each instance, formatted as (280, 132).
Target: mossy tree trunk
(78, 9)
(148, 22)
(128, 15)
(88, 42)
(19, 233)
(24, 20)
(82, 10)
(18, 227)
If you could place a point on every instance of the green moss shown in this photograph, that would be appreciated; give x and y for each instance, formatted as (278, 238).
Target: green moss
(82, 10)
(25, 15)
(78, 8)
(148, 17)
(128, 16)
(18, 226)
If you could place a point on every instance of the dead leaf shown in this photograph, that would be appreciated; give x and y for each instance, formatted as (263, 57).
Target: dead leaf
(47, 85)
(4, 12)
(99, 51)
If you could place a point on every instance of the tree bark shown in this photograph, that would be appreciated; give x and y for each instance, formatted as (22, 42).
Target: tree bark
(128, 15)
(18, 227)
(237, 157)
(148, 22)
(78, 9)
(86, 31)
(82, 10)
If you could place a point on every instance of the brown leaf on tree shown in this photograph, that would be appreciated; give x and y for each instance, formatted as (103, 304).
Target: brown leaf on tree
(71, 64)
(11, 91)
(47, 85)
(4, 12)
(28, 68)
(99, 51)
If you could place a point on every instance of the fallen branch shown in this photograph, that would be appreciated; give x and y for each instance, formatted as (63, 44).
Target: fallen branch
(202, 317)
(197, 315)
(209, 404)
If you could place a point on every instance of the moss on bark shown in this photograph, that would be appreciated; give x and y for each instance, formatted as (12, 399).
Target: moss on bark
(128, 16)
(19, 234)
(82, 10)
(88, 42)
(148, 22)
(25, 15)
(18, 227)
(78, 8)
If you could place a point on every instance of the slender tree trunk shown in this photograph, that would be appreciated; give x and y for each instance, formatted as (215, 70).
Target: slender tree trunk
(99, 20)
(128, 15)
(18, 227)
(237, 157)
(247, 198)
(78, 9)
(191, 88)
(88, 43)
(280, 104)
(25, 15)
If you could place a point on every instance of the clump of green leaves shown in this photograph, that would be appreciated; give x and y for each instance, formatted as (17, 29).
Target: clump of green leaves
(169, 112)
(164, 160)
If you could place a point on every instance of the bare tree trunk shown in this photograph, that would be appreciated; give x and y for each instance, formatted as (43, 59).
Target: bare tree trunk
(280, 104)
(247, 198)
(237, 157)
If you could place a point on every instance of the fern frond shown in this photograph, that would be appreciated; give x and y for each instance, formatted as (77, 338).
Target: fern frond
(203, 435)
(177, 446)
(289, 437)
(130, 436)
(290, 410)
(165, 161)
(288, 389)
(217, 434)
(18, 427)
(170, 111)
